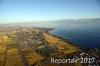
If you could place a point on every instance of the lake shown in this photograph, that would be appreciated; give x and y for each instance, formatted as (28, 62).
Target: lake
(84, 34)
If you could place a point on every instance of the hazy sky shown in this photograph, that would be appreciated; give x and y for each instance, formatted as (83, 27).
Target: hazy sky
(12, 11)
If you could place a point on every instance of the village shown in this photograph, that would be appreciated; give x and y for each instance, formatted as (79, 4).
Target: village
(25, 46)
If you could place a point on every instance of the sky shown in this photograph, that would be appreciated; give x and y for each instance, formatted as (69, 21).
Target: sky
(13, 11)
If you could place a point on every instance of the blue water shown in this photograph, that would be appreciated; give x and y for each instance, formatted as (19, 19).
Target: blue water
(84, 34)
(87, 35)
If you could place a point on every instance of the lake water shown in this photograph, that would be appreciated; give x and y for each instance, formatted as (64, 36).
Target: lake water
(84, 34)
(87, 35)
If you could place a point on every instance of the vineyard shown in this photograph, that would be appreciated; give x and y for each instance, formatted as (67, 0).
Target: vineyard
(13, 54)
(60, 44)
(35, 47)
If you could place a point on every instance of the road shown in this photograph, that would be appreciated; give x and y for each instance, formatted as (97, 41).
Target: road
(21, 53)
(5, 57)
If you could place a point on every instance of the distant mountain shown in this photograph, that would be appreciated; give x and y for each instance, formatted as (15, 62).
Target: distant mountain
(96, 20)
(73, 21)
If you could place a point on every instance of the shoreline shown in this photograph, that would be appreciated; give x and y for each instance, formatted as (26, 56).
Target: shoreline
(46, 47)
(72, 43)
(81, 53)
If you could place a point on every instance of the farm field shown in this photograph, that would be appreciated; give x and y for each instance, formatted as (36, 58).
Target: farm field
(10, 55)
(60, 44)
(13, 58)
(4, 40)
(36, 47)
